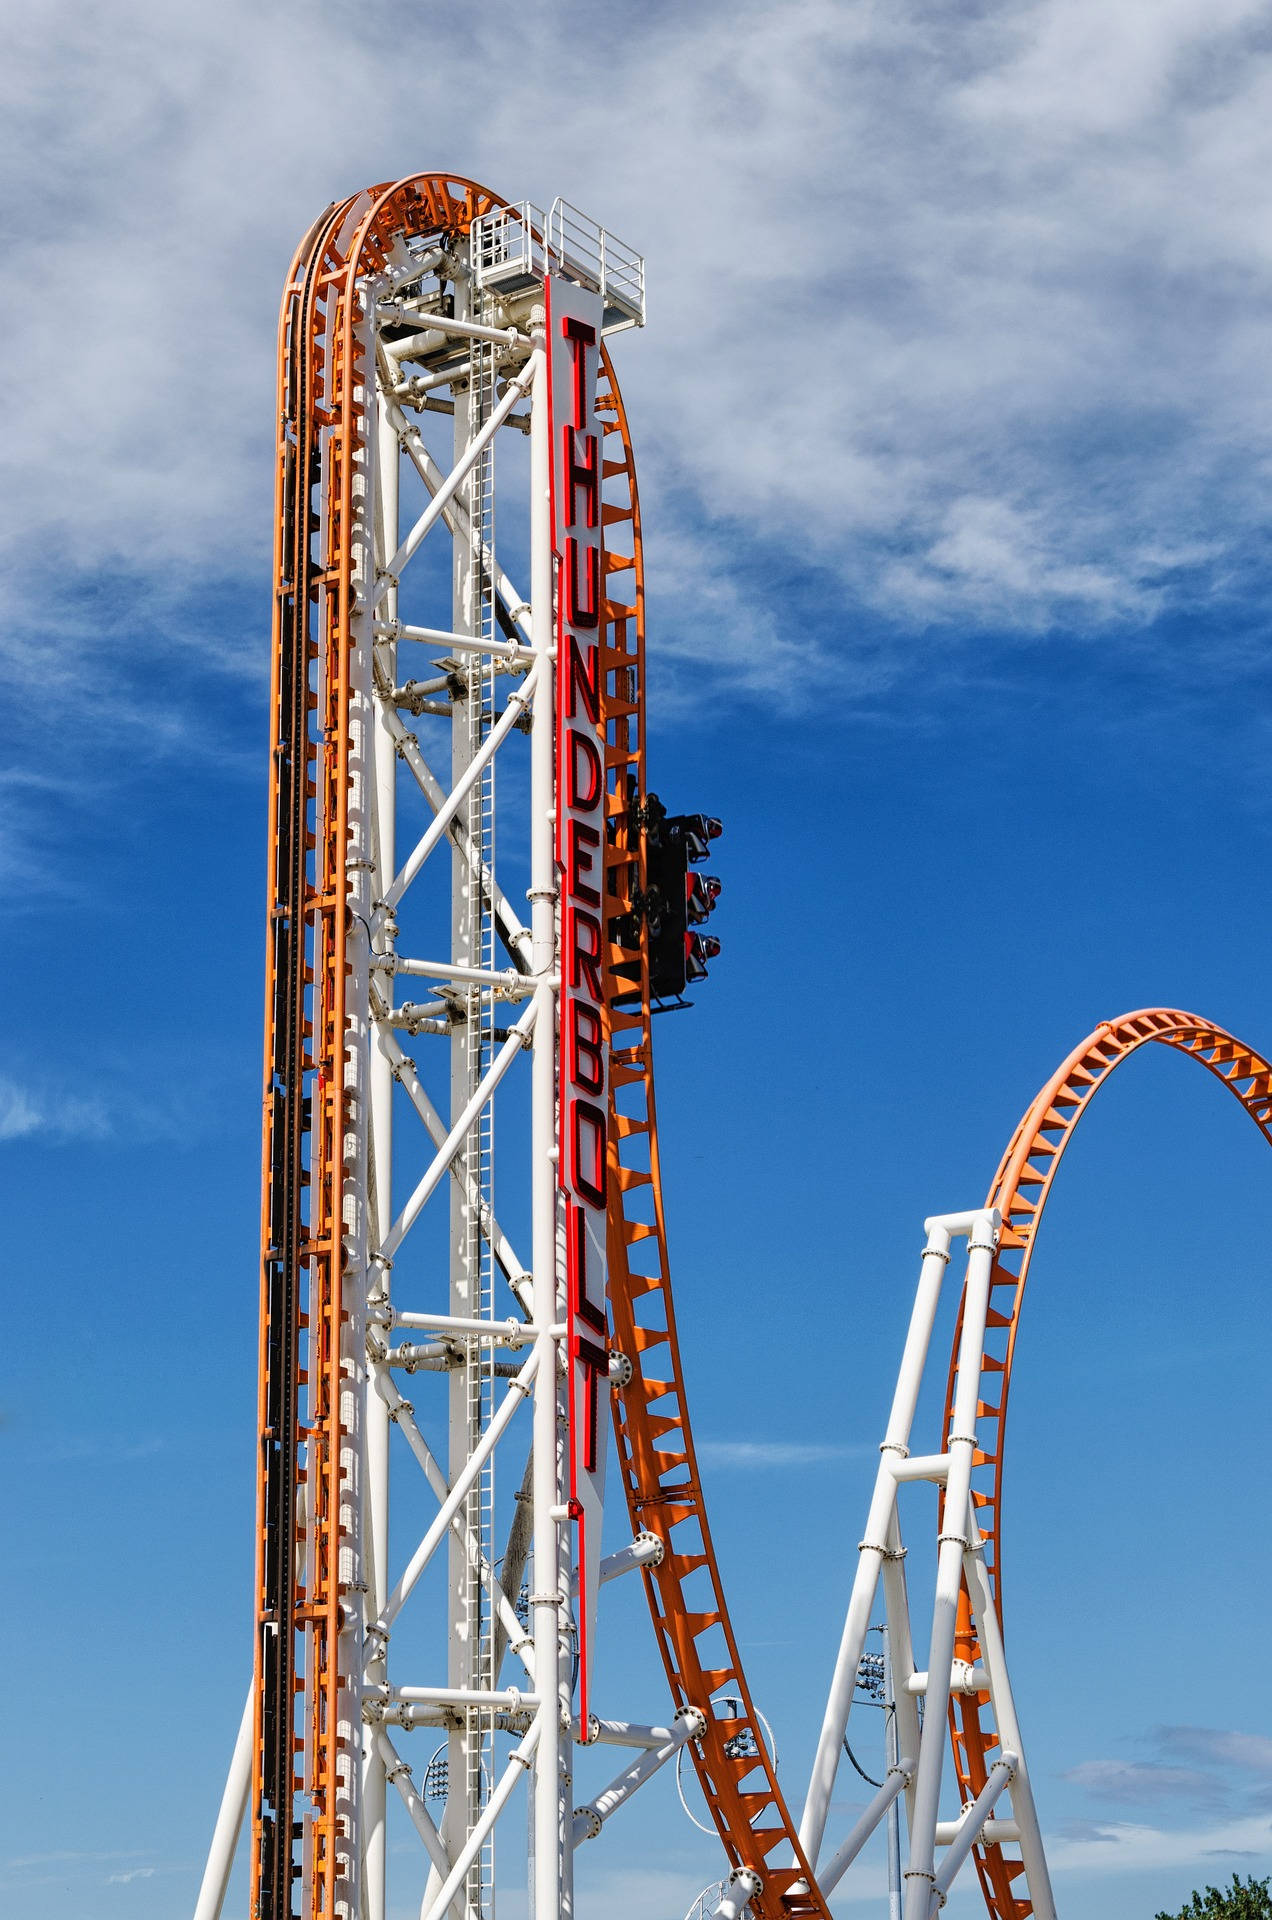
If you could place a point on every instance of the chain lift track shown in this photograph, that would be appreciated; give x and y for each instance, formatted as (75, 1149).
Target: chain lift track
(1019, 1191)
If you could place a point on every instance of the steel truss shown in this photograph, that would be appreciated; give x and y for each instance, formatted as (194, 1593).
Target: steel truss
(409, 994)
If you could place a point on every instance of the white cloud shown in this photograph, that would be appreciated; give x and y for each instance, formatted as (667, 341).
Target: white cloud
(774, 1453)
(1125, 1848)
(1142, 1782)
(25, 1111)
(964, 312)
(1217, 1746)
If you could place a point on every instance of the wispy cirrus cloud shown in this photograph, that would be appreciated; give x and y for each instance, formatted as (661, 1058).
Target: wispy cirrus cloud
(26, 1111)
(1248, 1753)
(776, 1453)
(1202, 1767)
(1126, 1847)
(1145, 1782)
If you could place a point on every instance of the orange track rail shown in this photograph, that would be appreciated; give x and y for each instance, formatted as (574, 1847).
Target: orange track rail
(651, 1414)
(1020, 1189)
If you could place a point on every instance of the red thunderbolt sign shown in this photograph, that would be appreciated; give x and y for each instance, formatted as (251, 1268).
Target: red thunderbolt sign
(574, 332)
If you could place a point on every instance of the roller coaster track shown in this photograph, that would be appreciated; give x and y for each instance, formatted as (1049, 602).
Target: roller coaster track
(307, 1707)
(1020, 1190)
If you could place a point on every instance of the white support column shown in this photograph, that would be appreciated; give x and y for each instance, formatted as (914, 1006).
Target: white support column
(989, 1633)
(380, 1180)
(354, 1221)
(549, 1812)
(873, 1548)
(920, 1874)
(970, 1827)
(229, 1822)
(895, 1781)
(901, 1659)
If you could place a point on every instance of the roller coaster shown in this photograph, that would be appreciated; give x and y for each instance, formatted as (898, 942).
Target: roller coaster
(444, 360)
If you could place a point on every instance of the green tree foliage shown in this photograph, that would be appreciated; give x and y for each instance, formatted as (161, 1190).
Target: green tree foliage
(1237, 1902)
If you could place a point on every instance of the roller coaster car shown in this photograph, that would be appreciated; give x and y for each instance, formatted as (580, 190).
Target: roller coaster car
(674, 901)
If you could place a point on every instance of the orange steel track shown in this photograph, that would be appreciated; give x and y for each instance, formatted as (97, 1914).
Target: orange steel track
(651, 1415)
(1020, 1189)
(300, 1486)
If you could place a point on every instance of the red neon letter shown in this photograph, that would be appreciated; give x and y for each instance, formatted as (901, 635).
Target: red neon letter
(587, 1065)
(587, 1151)
(581, 839)
(584, 677)
(580, 337)
(582, 475)
(586, 760)
(585, 953)
(580, 613)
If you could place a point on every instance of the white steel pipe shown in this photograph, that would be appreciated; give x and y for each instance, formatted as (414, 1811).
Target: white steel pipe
(415, 268)
(963, 1679)
(743, 1885)
(519, 1760)
(873, 1548)
(504, 1333)
(512, 713)
(900, 1652)
(505, 980)
(953, 1225)
(646, 1550)
(989, 1633)
(621, 1733)
(689, 1725)
(428, 1546)
(380, 1150)
(549, 1809)
(973, 1820)
(229, 1821)
(954, 1543)
(991, 1834)
(503, 1700)
(397, 1770)
(441, 1162)
(518, 387)
(895, 1781)
(457, 642)
(399, 312)
(920, 1466)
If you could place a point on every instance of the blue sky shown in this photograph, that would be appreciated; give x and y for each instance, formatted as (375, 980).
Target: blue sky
(954, 420)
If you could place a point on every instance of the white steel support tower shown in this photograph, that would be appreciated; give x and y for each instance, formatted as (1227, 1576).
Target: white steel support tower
(921, 1742)
(455, 1616)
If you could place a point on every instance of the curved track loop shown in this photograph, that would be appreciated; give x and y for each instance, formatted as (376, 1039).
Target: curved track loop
(321, 402)
(1020, 1189)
